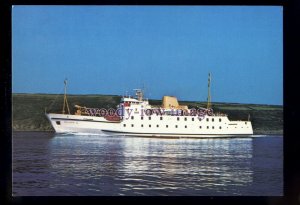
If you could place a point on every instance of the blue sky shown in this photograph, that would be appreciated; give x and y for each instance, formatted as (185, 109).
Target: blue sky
(168, 49)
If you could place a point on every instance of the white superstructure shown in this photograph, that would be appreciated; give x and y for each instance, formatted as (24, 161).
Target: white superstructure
(136, 117)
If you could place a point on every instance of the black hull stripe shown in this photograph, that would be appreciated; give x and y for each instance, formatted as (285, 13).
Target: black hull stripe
(171, 133)
(87, 120)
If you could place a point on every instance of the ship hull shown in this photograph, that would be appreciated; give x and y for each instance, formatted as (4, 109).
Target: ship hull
(170, 128)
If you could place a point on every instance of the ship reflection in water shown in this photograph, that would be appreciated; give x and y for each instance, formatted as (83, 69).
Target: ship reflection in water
(102, 165)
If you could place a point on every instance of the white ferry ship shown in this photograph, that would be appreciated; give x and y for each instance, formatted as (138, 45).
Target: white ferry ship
(136, 117)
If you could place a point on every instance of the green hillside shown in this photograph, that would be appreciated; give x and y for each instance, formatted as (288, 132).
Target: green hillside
(29, 109)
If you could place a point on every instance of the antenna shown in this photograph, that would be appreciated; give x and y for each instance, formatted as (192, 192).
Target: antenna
(208, 96)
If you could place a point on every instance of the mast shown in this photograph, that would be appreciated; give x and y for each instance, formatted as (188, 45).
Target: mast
(139, 94)
(208, 96)
(65, 98)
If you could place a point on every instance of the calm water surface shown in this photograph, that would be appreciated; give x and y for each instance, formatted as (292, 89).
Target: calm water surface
(47, 164)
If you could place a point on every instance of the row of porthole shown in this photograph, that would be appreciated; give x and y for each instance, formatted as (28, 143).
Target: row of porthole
(176, 126)
(185, 119)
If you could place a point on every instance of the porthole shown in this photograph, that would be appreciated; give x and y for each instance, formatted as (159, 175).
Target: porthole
(142, 118)
(220, 119)
(177, 118)
(207, 127)
(220, 127)
(213, 127)
(185, 119)
(167, 126)
(200, 127)
(185, 126)
(132, 125)
(142, 125)
(213, 119)
(124, 125)
(176, 126)
(157, 125)
(149, 125)
(132, 117)
(207, 119)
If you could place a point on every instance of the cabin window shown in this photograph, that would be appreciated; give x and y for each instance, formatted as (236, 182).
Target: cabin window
(132, 117)
(157, 125)
(220, 127)
(200, 127)
(142, 118)
(213, 127)
(124, 125)
(185, 119)
(192, 119)
(57, 122)
(185, 126)
(149, 118)
(161, 118)
(220, 119)
(245, 123)
(167, 126)
(207, 119)
(213, 119)
(207, 127)
(149, 125)
(177, 118)
(131, 125)
(176, 126)
(142, 125)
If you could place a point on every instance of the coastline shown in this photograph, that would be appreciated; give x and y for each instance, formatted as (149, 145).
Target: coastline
(29, 111)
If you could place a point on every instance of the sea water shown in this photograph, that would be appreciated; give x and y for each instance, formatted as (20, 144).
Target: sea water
(48, 164)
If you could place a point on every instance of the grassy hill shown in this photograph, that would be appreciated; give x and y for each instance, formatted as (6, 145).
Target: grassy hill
(29, 109)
